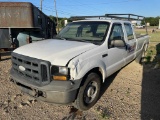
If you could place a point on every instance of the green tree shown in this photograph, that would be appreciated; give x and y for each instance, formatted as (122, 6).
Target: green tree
(154, 21)
(61, 20)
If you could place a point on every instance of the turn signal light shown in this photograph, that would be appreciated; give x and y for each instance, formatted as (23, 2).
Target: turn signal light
(60, 78)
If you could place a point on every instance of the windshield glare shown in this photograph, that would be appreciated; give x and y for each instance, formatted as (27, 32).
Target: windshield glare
(84, 31)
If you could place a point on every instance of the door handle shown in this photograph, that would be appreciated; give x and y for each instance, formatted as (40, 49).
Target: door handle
(105, 55)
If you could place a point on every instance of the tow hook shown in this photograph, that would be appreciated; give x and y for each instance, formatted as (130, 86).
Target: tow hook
(37, 93)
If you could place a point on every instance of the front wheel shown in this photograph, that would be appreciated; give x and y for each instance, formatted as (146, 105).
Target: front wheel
(89, 92)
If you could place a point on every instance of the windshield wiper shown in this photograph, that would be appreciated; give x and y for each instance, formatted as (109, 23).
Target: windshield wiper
(79, 40)
(61, 38)
(89, 41)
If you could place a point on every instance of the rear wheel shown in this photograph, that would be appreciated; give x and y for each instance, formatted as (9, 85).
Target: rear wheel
(141, 56)
(89, 92)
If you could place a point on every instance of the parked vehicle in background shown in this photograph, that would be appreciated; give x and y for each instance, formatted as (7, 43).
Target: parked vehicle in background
(140, 26)
(72, 67)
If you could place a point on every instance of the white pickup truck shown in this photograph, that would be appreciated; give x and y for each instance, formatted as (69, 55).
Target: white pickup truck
(72, 67)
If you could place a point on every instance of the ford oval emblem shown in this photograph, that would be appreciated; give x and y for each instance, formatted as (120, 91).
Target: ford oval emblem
(22, 68)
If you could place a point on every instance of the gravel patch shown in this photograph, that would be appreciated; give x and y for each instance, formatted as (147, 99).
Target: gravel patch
(131, 93)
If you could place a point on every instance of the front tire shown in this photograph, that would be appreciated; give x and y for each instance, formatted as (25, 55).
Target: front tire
(89, 92)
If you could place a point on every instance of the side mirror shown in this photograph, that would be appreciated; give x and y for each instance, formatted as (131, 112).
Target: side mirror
(118, 43)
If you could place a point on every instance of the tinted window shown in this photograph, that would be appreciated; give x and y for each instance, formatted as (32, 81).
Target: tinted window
(129, 31)
(116, 34)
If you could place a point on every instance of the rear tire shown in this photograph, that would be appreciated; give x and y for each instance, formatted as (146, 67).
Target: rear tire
(141, 56)
(89, 92)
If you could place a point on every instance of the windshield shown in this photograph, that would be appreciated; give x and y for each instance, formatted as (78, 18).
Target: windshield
(85, 31)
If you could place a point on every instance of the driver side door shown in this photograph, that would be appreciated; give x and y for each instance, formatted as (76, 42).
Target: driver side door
(116, 55)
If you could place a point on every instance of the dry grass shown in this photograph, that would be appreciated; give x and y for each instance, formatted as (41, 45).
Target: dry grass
(155, 37)
(154, 46)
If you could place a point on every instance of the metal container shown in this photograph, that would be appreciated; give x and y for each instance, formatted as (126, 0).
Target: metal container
(23, 20)
(16, 15)
(22, 15)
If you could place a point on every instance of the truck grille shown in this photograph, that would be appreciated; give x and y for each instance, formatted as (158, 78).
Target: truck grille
(31, 69)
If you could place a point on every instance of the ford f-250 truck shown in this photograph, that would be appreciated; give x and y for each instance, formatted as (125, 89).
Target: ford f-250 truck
(72, 67)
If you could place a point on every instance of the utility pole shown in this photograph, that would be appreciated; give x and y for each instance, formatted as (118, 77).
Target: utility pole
(41, 5)
(56, 14)
(159, 23)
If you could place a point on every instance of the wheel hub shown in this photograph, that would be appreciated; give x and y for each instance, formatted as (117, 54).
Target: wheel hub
(90, 91)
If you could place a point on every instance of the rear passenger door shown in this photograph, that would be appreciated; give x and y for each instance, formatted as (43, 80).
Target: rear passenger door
(116, 55)
(131, 42)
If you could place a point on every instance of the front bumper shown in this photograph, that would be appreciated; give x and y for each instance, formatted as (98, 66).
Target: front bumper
(60, 92)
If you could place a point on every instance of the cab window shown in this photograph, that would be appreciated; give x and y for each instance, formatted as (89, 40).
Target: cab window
(116, 34)
(129, 31)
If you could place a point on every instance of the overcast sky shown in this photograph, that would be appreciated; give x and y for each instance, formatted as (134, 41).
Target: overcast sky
(67, 8)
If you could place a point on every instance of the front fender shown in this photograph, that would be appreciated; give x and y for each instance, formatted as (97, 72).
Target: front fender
(86, 66)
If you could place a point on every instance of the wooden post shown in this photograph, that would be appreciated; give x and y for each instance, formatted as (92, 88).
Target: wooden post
(41, 6)
(159, 23)
(0, 54)
(56, 14)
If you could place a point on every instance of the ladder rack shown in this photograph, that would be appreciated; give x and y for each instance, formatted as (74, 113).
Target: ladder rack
(111, 16)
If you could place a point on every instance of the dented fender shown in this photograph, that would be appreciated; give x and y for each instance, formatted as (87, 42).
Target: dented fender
(79, 68)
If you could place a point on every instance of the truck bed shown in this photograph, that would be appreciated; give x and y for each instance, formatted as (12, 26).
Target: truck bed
(138, 35)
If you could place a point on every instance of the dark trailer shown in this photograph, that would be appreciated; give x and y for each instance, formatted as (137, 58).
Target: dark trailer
(21, 22)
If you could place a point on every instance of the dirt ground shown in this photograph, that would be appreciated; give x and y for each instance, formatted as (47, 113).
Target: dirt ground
(133, 93)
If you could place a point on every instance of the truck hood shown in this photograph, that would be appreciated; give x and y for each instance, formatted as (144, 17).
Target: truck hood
(58, 52)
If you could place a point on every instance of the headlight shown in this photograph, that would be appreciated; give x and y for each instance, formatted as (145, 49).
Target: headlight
(63, 70)
(60, 73)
